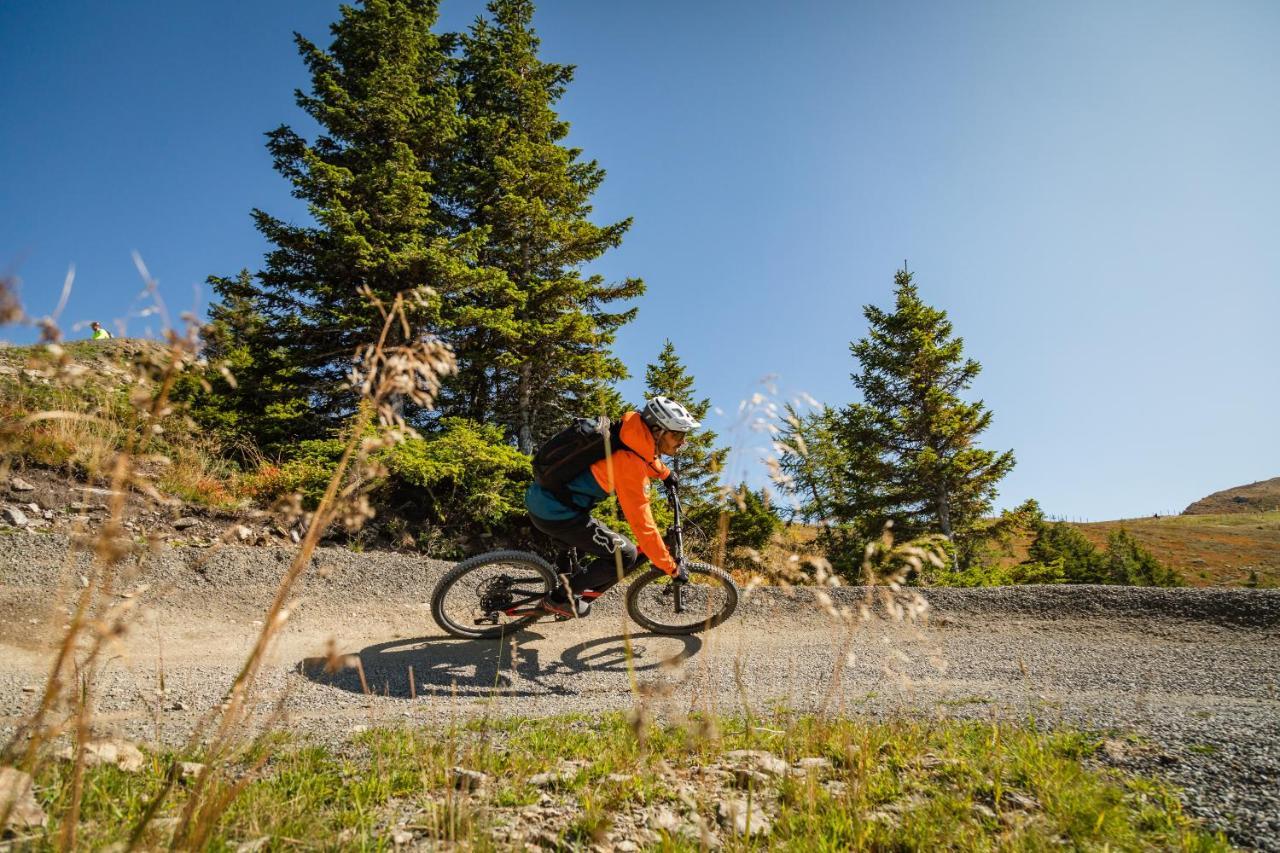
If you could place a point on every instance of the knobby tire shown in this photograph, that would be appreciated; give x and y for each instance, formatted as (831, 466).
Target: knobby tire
(645, 584)
(523, 560)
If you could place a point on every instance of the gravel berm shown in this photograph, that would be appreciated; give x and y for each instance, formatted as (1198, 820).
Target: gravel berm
(1183, 683)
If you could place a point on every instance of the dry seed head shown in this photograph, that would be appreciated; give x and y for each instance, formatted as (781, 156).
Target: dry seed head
(49, 330)
(356, 511)
(10, 308)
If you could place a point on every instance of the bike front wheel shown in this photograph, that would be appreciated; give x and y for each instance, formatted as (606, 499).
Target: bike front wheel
(657, 603)
(491, 595)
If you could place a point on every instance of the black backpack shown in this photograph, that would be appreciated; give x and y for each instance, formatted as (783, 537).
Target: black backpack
(573, 450)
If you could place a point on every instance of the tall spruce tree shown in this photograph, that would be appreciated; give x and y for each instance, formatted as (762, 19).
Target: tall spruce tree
(384, 95)
(536, 350)
(912, 438)
(699, 462)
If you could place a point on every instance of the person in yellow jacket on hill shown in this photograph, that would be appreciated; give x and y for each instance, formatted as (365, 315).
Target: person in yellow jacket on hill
(565, 514)
(99, 333)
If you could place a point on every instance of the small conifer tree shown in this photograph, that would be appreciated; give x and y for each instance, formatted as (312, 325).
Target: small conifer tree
(699, 461)
(912, 438)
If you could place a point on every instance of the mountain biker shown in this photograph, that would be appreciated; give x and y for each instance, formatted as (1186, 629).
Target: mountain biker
(659, 428)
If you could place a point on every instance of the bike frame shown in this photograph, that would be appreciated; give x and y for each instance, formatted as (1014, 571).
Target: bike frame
(676, 545)
(677, 542)
(536, 600)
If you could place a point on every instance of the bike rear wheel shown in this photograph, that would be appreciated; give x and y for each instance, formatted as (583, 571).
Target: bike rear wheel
(708, 599)
(493, 594)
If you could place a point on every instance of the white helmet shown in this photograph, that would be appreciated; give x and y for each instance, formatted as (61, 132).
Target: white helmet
(669, 415)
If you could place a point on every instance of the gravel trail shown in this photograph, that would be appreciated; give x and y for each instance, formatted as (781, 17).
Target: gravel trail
(1193, 674)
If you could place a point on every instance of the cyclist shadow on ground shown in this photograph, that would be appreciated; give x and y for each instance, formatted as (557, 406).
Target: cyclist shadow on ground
(470, 668)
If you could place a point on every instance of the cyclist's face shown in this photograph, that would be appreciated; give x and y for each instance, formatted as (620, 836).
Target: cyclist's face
(669, 442)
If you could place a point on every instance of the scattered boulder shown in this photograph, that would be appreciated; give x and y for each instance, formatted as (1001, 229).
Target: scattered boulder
(185, 522)
(665, 819)
(546, 780)
(736, 817)
(20, 485)
(559, 777)
(467, 780)
(188, 769)
(1019, 800)
(758, 760)
(813, 764)
(14, 516)
(122, 754)
(745, 777)
(17, 797)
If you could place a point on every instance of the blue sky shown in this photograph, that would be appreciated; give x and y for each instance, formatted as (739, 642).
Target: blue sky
(1090, 190)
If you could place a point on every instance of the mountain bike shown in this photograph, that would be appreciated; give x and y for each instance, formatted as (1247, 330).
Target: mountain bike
(497, 593)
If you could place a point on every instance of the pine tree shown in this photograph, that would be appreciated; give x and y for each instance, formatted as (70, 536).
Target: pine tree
(252, 399)
(824, 481)
(699, 461)
(384, 96)
(1127, 562)
(536, 350)
(1061, 543)
(911, 440)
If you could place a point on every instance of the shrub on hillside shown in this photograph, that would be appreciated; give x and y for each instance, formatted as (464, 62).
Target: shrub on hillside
(752, 520)
(750, 525)
(307, 471)
(1129, 563)
(1125, 561)
(1022, 573)
(463, 478)
(458, 481)
(1064, 545)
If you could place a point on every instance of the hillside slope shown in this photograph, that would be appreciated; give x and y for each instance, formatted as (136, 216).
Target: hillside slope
(1262, 496)
(1207, 550)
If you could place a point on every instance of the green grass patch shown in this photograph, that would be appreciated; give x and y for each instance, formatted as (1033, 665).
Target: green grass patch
(894, 785)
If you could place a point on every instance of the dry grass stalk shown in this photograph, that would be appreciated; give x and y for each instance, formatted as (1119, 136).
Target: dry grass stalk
(67, 701)
(383, 374)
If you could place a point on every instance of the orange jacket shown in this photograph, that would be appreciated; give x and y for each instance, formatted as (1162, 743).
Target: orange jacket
(629, 477)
